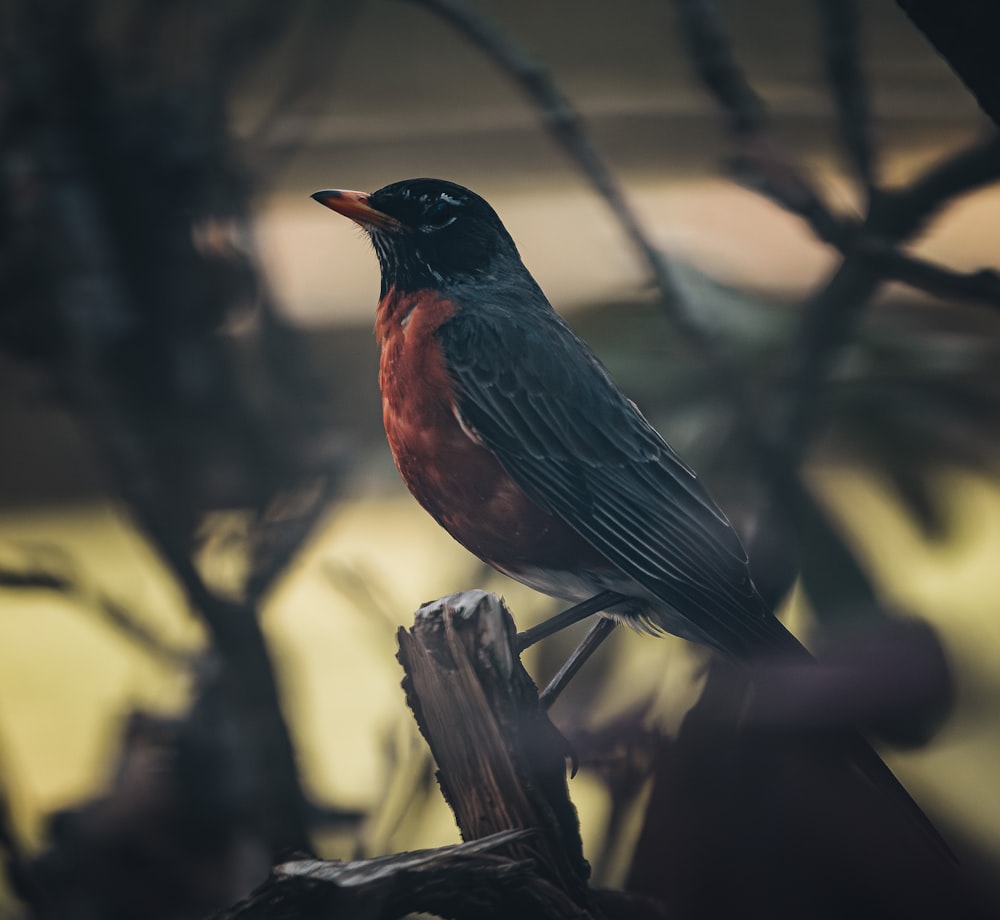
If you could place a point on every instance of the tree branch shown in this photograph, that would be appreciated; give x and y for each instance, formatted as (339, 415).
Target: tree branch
(714, 62)
(501, 763)
(840, 34)
(830, 314)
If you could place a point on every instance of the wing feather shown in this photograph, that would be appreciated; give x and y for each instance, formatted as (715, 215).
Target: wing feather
(580, 449)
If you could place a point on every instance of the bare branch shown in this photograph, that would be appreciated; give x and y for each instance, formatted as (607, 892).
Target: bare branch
(981, 286)
(761, 165)
(125, 622)
(759, 161)
(869, 247)
(714, 62)
(904, 212)
(464, 880)
(278, 541)
(840, 34)
(829, 316)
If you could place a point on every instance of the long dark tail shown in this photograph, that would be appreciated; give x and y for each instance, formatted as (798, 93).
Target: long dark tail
(866, 759)
(851, 743)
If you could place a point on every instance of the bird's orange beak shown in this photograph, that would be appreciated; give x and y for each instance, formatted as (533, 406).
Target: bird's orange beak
(355, 206)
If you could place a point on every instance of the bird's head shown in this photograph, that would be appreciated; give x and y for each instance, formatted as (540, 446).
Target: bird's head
(429, 233)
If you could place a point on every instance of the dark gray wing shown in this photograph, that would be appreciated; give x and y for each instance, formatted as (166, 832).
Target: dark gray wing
(539, 399)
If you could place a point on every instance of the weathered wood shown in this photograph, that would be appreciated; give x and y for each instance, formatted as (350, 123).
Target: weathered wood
(463, 881)
(501, 762)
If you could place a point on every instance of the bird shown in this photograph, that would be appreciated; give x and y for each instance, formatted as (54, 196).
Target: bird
(512, 434)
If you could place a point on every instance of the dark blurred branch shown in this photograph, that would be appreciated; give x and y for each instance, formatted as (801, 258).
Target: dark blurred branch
(980, 286)
(565, 124)
(34, 580)
(907, 210)
(869, 246)
(139, 302)
(827, 323)
(274, 554)
(840, 34)
(758, 162)
(762, 167)
(828, 320)
(12, 854)
(464, 880)
(712, 56)
(125, 623)
(829, 316)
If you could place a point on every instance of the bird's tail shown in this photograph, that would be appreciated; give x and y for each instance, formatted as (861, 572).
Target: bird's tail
(852, 744)
(866, 760)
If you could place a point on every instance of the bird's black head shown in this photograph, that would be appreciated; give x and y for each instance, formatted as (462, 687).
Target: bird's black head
(429, 233)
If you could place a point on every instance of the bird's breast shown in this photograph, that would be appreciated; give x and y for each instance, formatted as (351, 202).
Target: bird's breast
(455, 477)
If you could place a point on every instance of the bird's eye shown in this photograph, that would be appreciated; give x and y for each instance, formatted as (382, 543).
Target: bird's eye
(438, 216)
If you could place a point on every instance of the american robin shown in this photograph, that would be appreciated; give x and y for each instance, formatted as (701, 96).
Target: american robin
(508, 429)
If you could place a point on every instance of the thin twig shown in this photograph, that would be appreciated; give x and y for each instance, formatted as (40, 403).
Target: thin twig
(840, 34)
(267, 571)
(127, 624)
(759, 161)
(981, 286)
(762, 166)
(904, 212)
(712, 55)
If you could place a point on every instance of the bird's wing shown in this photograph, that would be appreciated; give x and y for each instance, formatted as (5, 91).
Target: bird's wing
(538, 398)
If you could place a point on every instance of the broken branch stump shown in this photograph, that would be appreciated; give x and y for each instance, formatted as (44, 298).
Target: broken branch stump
(501, 762)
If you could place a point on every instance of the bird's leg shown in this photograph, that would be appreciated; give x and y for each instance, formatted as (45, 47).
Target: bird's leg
(591, 642)
(568, 617)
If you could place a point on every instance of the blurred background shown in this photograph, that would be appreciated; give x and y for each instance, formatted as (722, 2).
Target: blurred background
(191, 430)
